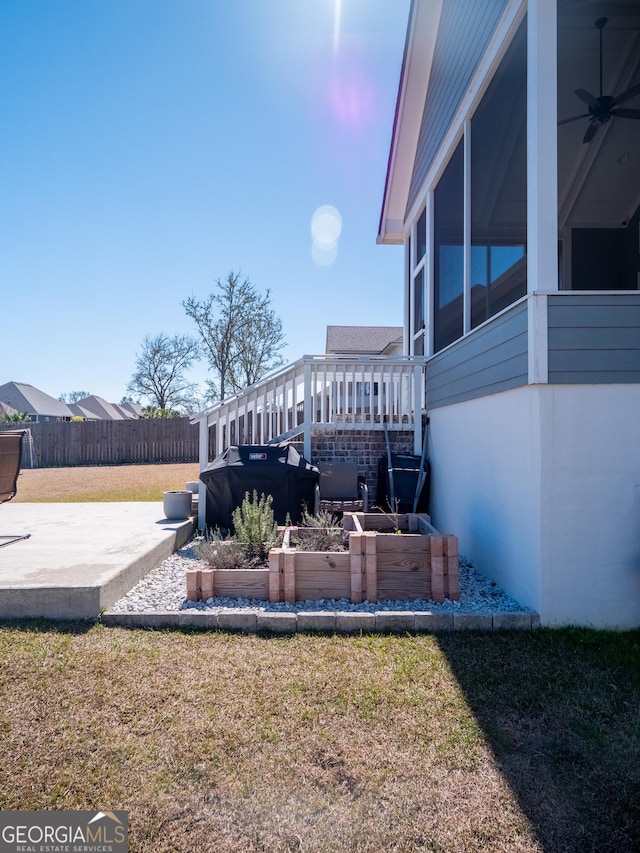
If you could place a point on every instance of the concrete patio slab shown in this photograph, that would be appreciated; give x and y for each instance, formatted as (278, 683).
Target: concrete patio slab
(80, 558)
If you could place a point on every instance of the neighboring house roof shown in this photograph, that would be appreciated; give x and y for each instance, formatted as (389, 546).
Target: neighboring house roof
(81, 412)
(130, 410)
(20, 397)
(100, 409)
(26, 398)
(363, 340)
(5, 409)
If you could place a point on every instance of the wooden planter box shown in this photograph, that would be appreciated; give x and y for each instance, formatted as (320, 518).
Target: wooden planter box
(419, 562)
(232, 583)
(308, 575)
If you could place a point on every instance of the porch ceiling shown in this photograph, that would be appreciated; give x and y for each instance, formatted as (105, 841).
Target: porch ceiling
(599, 182)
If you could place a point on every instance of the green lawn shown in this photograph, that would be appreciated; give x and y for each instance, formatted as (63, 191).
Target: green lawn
(217, 742)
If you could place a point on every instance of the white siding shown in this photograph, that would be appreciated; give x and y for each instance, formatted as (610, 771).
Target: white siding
(542, 486)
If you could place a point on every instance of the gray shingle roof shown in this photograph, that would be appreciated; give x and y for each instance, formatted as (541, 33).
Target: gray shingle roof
(102, 409)
(81, 412)
(361, 340)
(131, 411)
(26, 398)
(5, 409)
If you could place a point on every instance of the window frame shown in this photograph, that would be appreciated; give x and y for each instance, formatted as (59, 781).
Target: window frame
(424, 201)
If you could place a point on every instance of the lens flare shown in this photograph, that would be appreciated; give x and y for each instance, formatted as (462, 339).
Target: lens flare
(326, 227)
(324, 257)
(337, 14)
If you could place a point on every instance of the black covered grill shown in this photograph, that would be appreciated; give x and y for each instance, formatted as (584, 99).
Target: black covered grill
(276, 470)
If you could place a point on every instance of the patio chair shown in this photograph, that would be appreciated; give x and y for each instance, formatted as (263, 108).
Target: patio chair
(340, 488)
(10, 457)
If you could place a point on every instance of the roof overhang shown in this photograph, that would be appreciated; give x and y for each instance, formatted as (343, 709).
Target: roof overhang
(422, 30)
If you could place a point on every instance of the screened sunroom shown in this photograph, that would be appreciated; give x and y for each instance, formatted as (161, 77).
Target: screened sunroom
(466, 228)
(514, 185)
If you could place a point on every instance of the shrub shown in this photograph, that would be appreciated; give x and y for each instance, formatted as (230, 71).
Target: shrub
(255, 525)
(323, 519)
(152, 412)
(321, 532)
(16, 418)
(220, 553)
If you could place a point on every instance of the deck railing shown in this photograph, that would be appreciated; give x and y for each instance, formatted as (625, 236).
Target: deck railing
(319, 393)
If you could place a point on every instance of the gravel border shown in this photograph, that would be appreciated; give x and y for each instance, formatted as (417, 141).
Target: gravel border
(159, 600)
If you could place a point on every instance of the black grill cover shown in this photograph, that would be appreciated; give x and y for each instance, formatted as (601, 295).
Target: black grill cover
(273, 469)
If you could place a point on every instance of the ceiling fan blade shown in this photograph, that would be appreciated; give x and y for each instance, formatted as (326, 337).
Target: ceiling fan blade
(591, 132)
(626, 113)
(587, 97)
(625, 96)
(574, 118)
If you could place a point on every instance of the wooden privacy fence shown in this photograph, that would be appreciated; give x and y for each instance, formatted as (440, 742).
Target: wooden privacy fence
(60, 444)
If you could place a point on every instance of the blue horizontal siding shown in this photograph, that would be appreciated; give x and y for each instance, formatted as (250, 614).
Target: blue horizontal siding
(492, 358)
(594, 338)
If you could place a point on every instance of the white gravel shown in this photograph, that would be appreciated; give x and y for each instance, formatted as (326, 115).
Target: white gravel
(165, 589)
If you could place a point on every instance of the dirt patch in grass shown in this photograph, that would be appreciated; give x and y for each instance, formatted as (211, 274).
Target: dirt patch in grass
(103, 483)
(219, 742)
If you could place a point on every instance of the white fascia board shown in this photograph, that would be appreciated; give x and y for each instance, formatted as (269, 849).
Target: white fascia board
(512, 17)
(392, 233)
(424, 19)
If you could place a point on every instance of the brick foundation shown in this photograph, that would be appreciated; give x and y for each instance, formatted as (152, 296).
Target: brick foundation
(365, 447)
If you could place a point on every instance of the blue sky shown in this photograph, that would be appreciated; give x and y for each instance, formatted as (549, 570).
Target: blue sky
(149, 147)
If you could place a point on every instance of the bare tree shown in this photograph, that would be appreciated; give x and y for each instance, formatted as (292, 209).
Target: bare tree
(160, 372)
(73, 396)
(240, 333)
(261, 340)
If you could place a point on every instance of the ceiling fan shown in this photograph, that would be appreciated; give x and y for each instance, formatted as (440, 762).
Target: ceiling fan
(603, 108)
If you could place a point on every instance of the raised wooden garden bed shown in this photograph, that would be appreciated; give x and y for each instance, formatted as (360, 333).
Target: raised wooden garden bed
(404, 557)
(307, 575)
(231, 583)
(416, 562)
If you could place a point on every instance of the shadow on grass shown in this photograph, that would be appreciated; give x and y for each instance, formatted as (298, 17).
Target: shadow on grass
(49, 626)
(561, 712)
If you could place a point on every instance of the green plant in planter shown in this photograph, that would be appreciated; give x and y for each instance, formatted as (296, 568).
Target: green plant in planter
(219, 552)
(323, 519)
(255, 525)
(321, 532)
(393, 516)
